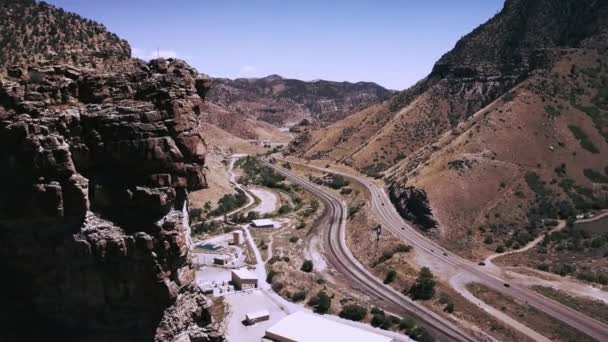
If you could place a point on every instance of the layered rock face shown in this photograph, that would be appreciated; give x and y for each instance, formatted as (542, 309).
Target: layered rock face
(95, 169)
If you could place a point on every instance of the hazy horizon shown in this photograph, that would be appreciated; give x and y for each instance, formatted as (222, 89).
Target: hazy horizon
(397, 45)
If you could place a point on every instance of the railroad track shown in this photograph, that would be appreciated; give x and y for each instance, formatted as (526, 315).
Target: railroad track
(341, 259)
(390, 219)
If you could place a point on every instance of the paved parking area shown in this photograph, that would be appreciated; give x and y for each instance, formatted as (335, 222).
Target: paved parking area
(245, 302)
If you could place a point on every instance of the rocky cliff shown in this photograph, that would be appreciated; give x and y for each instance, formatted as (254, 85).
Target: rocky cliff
(95, 168)
(32, 32)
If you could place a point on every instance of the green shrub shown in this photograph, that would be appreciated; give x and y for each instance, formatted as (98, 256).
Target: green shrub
(488, 240)
(270, 276)
(583, 139)
(376, 310)
(321, 303)
(353, 312)
(421, 335)
(307, 266)
(346, 191)
(294, 239)
(500, 249)
(424, 288)
(387, 255)
(407, 325)
(389, 322)
(595, 176)
(378, 320)
(337, 182)
(299, 296)
(284, 209)
(230, 202)
(260, 174)
(253, 215)
(277, 286)
(552, 111)
(352, 211)
(561, 170)
(543, 267)
(508, 96)
(390, 276)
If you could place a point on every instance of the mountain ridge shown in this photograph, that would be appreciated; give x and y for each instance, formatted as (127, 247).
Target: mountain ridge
(415, 133)
(284, 101)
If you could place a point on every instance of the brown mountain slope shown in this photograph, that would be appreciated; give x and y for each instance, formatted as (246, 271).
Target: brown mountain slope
(482, 66)
(243, 126)
(484, 178)
(284, 102)
(533, 54)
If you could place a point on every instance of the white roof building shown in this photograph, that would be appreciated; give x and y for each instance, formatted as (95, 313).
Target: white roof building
(258, 316)
(306, 327)
(245, 274)
(263, 223)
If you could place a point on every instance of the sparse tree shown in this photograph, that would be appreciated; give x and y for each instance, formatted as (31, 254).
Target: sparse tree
(424, 288)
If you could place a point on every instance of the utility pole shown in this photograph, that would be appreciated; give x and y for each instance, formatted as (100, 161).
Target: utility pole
(157, 53)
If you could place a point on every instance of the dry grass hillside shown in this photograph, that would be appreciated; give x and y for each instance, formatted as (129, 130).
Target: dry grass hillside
(242, 126)
(507, 130)
(537, 152)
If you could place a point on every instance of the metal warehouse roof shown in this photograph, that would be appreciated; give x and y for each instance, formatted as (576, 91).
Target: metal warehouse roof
(263, 222)
(245, 274)
(306, 327)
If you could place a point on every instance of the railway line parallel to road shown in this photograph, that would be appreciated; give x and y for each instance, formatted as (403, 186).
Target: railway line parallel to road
(390, 219)
(341, 259)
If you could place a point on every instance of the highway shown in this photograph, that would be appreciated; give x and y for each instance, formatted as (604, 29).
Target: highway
(387, 215)
(341, 259)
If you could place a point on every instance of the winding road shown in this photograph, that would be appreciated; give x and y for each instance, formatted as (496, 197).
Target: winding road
(434, 255)
(340, 258)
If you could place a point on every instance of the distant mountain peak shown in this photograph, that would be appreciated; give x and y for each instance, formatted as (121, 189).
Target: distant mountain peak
(273, 77)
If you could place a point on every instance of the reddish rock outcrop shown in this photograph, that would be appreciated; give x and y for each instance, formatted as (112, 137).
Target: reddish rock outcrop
(94, 170)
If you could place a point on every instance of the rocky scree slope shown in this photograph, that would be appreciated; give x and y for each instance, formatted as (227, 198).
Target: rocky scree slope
(531, 55)
(95, 167)
(33, 32)
(280, 101)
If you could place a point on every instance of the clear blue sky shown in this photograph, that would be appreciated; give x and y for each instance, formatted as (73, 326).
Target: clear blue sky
(392, 42)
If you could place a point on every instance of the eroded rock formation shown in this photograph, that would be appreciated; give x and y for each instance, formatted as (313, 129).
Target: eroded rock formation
(94, 169)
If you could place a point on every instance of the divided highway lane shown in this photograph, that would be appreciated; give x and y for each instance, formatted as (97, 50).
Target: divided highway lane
(340, 257)
(384, 210)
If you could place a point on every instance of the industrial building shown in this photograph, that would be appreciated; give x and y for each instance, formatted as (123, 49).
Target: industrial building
(244, 279)
(263, 223)
(307, 327)
(258, 316)
(219, 260)
(237, 238)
